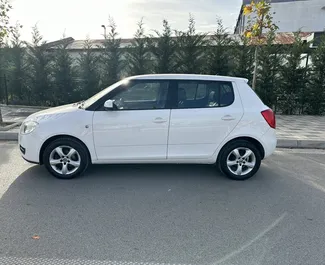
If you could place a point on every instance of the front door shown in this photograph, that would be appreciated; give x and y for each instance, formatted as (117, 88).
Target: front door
(205, 113)
(137, 128)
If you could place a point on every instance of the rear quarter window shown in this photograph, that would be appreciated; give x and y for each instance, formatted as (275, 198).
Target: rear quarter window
(248, 96)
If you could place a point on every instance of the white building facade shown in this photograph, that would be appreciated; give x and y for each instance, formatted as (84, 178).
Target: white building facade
(292, 15)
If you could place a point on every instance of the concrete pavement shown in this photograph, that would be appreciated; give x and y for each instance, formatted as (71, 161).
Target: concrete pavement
(301, 131)
(164, 214)
(17, 113)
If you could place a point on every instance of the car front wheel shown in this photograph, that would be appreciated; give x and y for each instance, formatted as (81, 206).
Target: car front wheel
(240, 160)
(66, 158)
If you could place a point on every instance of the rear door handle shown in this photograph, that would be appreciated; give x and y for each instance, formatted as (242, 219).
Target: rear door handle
(159, 120)
(228, 118)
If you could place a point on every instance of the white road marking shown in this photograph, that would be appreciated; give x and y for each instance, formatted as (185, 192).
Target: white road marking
(252, 241)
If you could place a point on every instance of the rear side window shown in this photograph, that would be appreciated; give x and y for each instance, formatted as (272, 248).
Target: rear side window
(204, 94)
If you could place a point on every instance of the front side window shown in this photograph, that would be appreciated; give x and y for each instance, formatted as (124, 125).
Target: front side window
(204, 94)
(142, 95)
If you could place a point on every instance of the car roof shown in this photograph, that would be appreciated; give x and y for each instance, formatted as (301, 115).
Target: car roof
(188, 77)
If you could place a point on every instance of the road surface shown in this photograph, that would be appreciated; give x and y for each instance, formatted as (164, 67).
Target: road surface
(164, 214)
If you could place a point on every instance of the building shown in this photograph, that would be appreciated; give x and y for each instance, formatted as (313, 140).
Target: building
(291, 15)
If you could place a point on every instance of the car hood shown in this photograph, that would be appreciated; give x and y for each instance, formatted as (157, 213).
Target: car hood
(53, 113)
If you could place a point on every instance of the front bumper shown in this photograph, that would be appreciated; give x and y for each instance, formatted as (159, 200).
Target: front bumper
(29, 146)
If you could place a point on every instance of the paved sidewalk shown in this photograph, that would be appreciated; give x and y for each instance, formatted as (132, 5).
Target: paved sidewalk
(292, 131)
(301, 131)
(17, 114)
(301, 127)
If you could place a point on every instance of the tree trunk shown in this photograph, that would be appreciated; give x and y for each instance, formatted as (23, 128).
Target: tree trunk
(0, 116)
(255, 68)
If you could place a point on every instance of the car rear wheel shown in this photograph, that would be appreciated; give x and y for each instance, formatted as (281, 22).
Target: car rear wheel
(239, 160)
(66, 158)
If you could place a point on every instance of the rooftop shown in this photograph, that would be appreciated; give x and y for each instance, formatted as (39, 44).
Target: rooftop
(188, 77)
(283, 38)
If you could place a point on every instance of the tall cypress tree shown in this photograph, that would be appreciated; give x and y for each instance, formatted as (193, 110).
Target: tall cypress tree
(163, 48)
(316, 97)
(292, 77)
(190, 56)
(88, 70)
(138, 56)
(64, 75)
(5, 7)
(220, 52)
(244, 59)
(40, 70)
(269, 61)
(18, 69)
(112, 63)
(4, 54)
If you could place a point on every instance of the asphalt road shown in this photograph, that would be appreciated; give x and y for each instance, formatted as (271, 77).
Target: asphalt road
(164, 214)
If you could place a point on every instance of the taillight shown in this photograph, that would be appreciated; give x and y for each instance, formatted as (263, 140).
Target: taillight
(269, 117)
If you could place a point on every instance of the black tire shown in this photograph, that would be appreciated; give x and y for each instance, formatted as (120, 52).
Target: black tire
(83, 158)
(227, 150)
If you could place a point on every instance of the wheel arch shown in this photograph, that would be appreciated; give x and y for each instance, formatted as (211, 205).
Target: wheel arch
(252, 140)
(55, 137)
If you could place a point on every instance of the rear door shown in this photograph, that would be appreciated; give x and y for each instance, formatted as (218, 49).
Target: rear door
(205, 113)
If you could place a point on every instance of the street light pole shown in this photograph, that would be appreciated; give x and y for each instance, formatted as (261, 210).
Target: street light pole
(103, 26)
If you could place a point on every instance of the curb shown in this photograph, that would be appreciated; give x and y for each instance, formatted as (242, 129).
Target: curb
(8, 136)
(307, 144)
(282, 143)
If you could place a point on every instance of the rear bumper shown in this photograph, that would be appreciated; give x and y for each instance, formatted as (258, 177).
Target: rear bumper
(269, 142)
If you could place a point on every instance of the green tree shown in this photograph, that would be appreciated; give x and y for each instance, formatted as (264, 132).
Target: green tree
(316, 97)
(112, 63)
(18, 69)
(243, 59)
(88, 70)
(269, 63)
(4, 61)
(190, 49)
(5, 29)
(64, 75)
(5, 8)
(39, 69)
(163, 48)
(292, 77)
(220, 52)
(138, 56)
(259, 19)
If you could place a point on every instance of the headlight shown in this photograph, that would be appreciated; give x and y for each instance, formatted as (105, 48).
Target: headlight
(28, 127)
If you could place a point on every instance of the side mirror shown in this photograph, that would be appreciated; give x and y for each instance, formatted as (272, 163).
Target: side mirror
(109, 104)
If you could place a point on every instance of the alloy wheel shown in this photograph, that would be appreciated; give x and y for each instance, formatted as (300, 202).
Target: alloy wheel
(241, 161)
(65, 160)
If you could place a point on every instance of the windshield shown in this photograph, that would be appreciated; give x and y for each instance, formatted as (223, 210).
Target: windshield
(102, 93)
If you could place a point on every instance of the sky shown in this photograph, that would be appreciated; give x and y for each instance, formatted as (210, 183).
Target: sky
(82, 18)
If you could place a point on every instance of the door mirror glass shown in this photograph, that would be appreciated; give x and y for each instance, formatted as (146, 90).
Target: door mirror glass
(109, 104)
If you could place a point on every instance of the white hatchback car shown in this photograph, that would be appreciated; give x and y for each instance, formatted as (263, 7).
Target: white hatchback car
(165, 118)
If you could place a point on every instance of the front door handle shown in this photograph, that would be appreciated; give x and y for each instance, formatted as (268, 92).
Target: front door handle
(159, 120)
(228, 118)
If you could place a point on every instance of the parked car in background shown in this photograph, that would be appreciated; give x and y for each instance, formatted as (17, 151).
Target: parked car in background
(165, 118)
